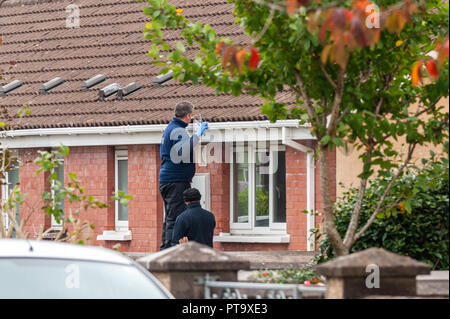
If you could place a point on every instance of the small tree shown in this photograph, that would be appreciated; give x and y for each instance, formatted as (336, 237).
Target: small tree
(354, 71)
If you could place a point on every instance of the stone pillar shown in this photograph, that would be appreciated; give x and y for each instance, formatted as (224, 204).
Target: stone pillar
(178, 267)
(371, 272)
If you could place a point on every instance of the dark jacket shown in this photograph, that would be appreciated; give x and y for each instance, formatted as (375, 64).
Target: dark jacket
(196, 223)
(177, 143)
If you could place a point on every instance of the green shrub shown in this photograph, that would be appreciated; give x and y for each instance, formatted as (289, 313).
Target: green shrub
(287, 276)
(417, 226)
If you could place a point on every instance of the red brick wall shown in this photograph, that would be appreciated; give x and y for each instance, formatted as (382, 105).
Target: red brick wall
(32, 187)
(220, 193)
(296, 180)
(145, 217)
(94, 167)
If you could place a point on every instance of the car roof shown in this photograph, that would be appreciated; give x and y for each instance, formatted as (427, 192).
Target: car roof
(23, 248)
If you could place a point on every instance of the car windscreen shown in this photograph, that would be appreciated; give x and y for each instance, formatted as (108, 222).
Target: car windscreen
(43, 278)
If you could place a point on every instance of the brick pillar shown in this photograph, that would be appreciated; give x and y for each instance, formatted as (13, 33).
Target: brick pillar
(94, 167)
(296, 199)
(32, 187)
(145, 217)
(220, 193)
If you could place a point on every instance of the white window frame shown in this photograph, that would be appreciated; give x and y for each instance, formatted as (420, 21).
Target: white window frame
(5, 197)
(120, 225)
(54, 224)
(249, 227)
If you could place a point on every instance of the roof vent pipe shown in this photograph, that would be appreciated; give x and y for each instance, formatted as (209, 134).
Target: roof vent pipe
(162, 78)
(130, 88)
(86, 85)
(51, 85)
(108, 90)
(10, 86)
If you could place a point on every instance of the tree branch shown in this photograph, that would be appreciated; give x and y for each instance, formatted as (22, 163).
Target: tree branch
(325, 73)
(331, 131)
(309, 107)
(266, 26)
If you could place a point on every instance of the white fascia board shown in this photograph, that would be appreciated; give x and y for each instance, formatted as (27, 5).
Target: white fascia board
(148, 134)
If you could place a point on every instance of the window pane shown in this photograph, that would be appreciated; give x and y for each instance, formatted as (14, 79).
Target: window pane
(240, 187)
(13, 180)
(279, 188)
(262, 189)
(122, 186)
(60, 172)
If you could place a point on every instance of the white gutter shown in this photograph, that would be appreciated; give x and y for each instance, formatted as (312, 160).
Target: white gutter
(145, 134)
(143, 128)
(310, 186)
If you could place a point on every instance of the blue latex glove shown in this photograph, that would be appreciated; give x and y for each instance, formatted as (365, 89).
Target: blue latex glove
(202, 129)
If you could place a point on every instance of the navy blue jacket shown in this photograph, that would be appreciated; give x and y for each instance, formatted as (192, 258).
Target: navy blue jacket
(196, 223)
(176, 145)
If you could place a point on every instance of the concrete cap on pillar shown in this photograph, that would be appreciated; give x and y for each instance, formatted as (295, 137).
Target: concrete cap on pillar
(192, 256)
(389, 264)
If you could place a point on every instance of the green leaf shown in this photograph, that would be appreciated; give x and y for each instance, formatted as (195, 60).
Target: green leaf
(148, 11)
(64, 150)
(408, 206)
(156, 13)
(180, 47)
(325, 140)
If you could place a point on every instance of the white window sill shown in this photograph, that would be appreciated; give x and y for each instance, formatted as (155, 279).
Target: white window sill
(269, 239)
(115, 235)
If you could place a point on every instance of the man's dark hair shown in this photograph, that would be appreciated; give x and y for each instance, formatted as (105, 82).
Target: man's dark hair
(191, 195)
(183, 108)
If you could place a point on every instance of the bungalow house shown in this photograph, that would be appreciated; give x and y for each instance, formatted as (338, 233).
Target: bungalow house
(81, 68)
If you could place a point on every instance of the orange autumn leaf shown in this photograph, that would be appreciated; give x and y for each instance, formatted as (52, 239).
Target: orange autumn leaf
(240, 59)
(358, 32)
(326, 53)
(432, 68)
(348, 15)
(338, 17)
(340, 54)
(445, 48)
(361, 4)
(291, 6)
(219, 47)
(229, 53)
(442, 51)
(416, 73)
(254, 58)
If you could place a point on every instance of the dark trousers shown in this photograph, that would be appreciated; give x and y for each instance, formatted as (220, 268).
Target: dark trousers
(172, 195)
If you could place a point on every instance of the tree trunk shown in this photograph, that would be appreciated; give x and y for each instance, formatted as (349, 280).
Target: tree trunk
(327, 204)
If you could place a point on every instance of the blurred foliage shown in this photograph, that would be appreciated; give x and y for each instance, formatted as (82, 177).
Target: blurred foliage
(417, 226)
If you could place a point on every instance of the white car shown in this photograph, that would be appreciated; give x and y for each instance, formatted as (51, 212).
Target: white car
(50, 270)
